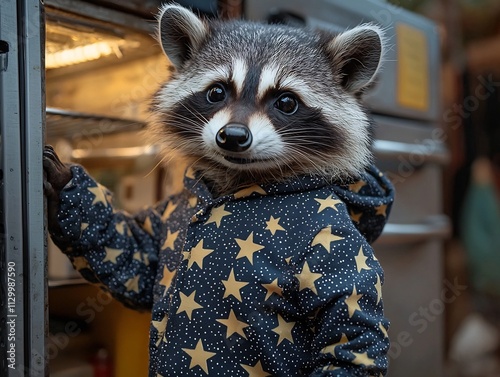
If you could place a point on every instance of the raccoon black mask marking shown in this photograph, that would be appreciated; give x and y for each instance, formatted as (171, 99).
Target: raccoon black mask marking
(251, 103)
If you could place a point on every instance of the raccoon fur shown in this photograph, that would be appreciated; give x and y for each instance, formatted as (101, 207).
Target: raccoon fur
(254, 103)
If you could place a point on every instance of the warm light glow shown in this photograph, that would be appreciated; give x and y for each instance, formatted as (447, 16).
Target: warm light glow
(125, 152)
(81, 54)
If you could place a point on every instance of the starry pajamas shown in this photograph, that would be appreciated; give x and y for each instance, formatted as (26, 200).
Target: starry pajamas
(273, 280)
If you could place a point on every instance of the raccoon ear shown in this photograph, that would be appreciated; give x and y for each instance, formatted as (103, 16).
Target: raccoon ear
(357, 55)
(180, 33)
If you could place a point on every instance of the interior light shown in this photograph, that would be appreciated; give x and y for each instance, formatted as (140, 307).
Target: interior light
(82, 54)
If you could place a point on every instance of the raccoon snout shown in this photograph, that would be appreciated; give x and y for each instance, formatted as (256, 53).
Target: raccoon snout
(234, 138)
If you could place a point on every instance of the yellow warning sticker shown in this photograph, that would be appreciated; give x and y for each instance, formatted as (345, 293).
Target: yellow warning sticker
(413, 68)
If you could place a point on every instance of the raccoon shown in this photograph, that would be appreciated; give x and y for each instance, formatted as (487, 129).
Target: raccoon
(249, 104)
(262, 264)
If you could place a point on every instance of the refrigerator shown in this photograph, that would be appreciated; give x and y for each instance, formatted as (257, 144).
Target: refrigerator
(23, 288)
(409, 147)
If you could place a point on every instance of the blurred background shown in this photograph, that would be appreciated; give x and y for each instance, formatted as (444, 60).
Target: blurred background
(436, 108)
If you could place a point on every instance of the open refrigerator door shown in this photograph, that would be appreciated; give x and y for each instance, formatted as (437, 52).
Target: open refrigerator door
(23, 287)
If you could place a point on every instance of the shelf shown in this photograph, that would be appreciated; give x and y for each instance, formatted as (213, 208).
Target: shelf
(71, 125)
(66, 282)
(115, 153)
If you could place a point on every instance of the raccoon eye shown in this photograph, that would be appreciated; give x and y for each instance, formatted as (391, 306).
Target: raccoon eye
(287, 104)
(216, 93)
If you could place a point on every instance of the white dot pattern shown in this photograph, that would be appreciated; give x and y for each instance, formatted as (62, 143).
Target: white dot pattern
(283, 282)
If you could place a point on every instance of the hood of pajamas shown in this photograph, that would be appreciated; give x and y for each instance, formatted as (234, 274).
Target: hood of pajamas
(272, 280)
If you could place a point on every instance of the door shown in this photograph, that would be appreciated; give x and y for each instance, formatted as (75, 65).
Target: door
(23, 319)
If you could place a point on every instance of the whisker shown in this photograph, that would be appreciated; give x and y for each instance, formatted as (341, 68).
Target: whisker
(156, 166)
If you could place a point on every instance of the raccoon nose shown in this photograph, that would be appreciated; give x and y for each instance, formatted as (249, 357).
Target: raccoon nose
(234, 138)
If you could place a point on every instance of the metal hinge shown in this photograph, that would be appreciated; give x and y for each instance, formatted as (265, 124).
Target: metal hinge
(4, 49)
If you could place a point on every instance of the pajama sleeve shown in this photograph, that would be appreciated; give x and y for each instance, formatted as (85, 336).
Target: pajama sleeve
(109, 247)
(340, 287)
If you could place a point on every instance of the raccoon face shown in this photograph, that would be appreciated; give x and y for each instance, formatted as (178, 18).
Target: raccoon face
(251, 102)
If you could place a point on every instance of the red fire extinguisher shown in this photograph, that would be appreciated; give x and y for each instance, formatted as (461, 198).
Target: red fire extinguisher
(102, 364)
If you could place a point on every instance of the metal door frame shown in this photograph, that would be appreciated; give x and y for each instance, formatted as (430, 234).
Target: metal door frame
(23, 261)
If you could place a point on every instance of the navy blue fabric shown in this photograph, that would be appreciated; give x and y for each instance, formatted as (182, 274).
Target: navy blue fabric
(273, 280)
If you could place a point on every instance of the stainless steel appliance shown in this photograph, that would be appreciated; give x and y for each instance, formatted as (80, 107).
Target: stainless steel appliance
(22, 256)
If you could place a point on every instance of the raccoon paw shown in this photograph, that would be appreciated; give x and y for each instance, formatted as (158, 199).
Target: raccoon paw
(56, 175)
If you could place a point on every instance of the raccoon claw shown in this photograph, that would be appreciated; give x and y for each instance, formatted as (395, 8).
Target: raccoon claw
(56, 173)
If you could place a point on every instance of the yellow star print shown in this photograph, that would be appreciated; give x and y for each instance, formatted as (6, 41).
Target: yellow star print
(109, 196)
(330, 367)
(217, 215)
(382, 210)
(137, 256)
(80, 263)
(308, 278)
(148, 226)
(356, 217)
(256, 370)
(193, 201)
(143, 258)
(331, 348)
(325, 238)
(357, 186)
(271, 288)
(112, 254)
(383, 329)
(361, 261)
(160, 326)
(120, 227)
(362, 359)
(198, 253)
(352, 302)
(100, 196)
(273, 225)
(168, 211)
(83, 226)
(170, 240)
(249, 191)
(199, 356)
(378, 287)
(188, 304)
(284, 330)
(232, 287)
(133, 284)
(247, 248)
(167, 277)
(234, 326)
(329, 202)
